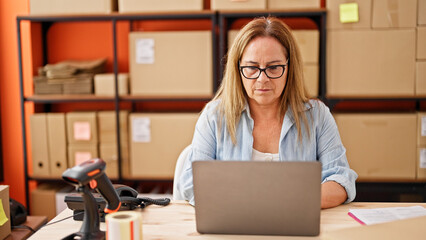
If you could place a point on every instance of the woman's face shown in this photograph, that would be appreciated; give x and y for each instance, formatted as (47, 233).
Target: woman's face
(263, 52)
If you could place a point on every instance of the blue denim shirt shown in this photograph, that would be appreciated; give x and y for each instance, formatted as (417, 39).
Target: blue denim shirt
(212, 141)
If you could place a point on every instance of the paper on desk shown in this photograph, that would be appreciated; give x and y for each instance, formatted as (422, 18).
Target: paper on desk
(381, 215)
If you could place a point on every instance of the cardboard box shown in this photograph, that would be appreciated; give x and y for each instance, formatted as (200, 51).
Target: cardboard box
(421, 78)
(5, 228)
(421, 163)
(43, 199)
(157, 139)
(237, 5)
(108, 153)
(105, 84)
(161, 67)
(335, 12)
(82, 127)
(421, 43)
(57, 143)
(80, 152)
(307, 40)
(126, 6)
(371, 63)
(293, 4)
(108, 128)
(421, 12)
(421, 129)
(39, 145)
(394, 13)
(311, 73)
(72, 6)
(380, 146)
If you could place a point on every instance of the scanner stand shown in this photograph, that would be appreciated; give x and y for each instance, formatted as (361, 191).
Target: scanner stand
(90, 228)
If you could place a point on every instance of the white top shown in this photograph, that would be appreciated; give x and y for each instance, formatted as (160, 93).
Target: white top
(267, 157)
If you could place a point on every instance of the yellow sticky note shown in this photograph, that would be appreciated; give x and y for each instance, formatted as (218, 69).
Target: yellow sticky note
(349, 12)
(3, 217)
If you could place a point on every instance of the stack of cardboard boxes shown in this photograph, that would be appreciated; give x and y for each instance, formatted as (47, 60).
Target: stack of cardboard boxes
(107, 124)
(372, 49)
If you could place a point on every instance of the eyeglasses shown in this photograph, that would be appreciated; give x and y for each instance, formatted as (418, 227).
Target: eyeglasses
(272, 72)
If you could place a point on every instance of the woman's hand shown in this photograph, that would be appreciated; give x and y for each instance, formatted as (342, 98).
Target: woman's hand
(332, 194)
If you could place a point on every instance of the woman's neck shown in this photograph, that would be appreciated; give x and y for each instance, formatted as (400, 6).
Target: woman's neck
(264, 112)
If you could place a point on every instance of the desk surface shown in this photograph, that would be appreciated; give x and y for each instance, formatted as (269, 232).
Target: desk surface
(177, 221)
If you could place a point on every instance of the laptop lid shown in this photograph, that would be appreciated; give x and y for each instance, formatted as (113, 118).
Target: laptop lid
(257, 198)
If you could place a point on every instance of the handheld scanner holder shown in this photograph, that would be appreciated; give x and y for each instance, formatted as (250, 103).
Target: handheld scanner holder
(92, 173)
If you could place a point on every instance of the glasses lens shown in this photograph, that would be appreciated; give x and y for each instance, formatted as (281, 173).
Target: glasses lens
(250, 72)
(275, 71)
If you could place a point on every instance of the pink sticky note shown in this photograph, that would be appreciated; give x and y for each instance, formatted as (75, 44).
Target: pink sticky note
(82, 131)
(82, 157)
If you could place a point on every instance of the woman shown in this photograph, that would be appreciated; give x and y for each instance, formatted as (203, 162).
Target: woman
(262, 112)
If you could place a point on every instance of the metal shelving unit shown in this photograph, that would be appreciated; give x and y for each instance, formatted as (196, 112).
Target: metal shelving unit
(220, 24)
(48, 21)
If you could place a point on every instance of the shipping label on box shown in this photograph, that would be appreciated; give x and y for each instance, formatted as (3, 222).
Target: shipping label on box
(371, 63)
(127, 6)
(421, 163)
(421, 129)
(371, 139)
(348, 14)
(80, 152)
(188, 60)
(293, 4)
(82, 127)
(238, 5)
(394, 14)
(155, 157)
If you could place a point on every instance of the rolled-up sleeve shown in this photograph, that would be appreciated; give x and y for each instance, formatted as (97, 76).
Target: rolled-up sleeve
(332, 154)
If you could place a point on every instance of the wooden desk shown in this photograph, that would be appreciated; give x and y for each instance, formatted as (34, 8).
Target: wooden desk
(34, 222)
(177, 221)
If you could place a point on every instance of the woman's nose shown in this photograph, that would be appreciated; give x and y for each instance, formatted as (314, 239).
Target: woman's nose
(262, 77)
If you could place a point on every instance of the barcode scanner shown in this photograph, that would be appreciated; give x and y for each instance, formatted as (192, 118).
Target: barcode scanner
(86, 176)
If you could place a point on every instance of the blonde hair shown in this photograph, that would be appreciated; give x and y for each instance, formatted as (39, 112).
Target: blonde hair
(231, 91)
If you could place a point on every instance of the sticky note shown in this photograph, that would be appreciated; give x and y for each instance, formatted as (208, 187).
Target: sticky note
(82, 157)
(3, 217)
(141, 129)
(349, 12)
(145, 51)
(82, 131)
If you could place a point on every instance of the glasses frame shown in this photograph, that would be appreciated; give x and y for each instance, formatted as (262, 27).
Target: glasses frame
(262, 70)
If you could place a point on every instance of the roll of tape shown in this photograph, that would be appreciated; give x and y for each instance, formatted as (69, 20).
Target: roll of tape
(125, 225)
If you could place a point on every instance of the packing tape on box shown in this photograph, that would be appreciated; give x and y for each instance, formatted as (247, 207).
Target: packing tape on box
(124, 225)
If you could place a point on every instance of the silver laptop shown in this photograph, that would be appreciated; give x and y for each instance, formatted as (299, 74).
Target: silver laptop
(257, 198)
